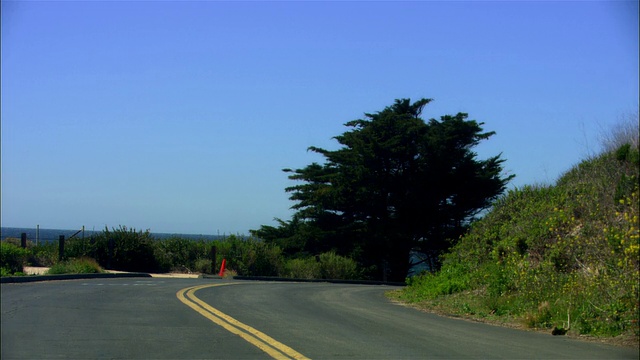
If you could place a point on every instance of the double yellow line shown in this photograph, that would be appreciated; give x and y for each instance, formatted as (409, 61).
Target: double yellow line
(258, 339)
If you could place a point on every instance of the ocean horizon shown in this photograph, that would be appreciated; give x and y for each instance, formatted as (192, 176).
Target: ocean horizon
(48, 235)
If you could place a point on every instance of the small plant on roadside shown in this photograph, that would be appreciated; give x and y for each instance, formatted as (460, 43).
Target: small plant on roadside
(82, 265)
(540, 318)
(229, 274)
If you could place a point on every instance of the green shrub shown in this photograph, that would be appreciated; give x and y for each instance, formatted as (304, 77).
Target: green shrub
(180, 254)
(18, 242)
(540, 318)
(203, 266)
(45, 254)
(451, 278)
(325, 266)
(174, 254)
(252, 257)
(307, 268)
(498, 279)
(77, 247)
(334, 266)
(124, 249)
(12, 258)
(82, 265)
(5, 272)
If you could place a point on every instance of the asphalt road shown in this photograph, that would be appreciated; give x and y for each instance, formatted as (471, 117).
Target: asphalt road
(150, 318)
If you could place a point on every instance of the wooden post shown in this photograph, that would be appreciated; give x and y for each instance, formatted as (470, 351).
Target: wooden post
(23, 240)
(61, 248)
(213, 259)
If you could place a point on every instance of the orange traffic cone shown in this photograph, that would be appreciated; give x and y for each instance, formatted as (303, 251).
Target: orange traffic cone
(224, 262)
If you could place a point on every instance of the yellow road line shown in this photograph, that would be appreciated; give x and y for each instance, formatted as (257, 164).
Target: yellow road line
(262, 341)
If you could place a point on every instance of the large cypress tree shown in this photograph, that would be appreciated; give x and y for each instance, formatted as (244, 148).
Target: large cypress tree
(397, 184)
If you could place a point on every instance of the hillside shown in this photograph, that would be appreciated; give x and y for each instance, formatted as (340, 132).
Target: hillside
(563, 257)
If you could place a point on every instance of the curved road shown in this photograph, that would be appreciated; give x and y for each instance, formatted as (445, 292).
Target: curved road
(154, 318)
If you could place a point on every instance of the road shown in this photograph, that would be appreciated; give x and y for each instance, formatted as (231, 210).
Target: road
(150, 318)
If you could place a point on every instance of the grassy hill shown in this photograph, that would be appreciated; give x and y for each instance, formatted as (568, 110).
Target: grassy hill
(563, 257)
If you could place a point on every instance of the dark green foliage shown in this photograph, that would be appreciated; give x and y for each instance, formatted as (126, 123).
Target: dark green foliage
(253, 257)
(183, 255)
(325, 266)
(12, 258)
(203, 266)
(303, 268)
(397, 183)
(295, 237)
(125, 249)
(449, 280)
(45, 254)
(622, 153)
(333, 266)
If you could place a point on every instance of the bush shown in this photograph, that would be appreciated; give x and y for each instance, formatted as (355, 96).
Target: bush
(307, 268)
(12, 258)
(252, 257)
(179, 254)
(124, 249)
(45, 254)
(451, 278)
(334, 266)
(203, 266)
(82, 265)
(325, 266)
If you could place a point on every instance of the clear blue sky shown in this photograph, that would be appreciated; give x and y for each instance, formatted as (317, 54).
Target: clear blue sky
(179, 116)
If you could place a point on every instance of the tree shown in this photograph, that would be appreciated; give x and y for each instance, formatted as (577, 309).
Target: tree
(397, 184)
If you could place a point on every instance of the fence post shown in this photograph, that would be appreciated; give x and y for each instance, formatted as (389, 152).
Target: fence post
(213, 259)
(61, 248)
(23, 240)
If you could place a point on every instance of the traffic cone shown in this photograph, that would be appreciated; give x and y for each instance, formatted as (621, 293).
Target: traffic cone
(224, 262)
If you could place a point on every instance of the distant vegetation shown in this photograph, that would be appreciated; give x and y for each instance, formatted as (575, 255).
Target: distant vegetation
(139, 251)
(563, 257)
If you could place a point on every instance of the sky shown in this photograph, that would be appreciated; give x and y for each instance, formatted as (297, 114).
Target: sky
(179, 117)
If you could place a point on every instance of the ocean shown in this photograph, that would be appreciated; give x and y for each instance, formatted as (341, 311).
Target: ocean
(47, 235)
